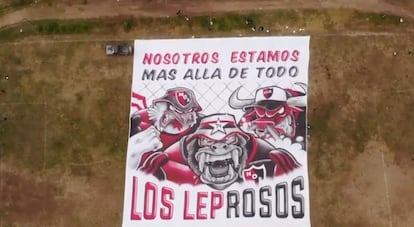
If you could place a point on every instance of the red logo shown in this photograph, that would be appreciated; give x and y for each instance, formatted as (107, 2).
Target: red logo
(267, 92)
(254, 173)
(183, 98)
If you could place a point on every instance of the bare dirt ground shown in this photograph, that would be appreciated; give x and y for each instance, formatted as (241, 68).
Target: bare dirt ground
(63, 142)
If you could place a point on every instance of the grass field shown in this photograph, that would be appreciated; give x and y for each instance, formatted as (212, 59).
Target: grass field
(64, 115)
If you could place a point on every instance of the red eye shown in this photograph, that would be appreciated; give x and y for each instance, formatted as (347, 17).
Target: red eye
(271, 113)
(260, 111)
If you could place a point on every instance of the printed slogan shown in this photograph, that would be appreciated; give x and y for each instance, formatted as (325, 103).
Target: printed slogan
(216, 73)
(218, 133)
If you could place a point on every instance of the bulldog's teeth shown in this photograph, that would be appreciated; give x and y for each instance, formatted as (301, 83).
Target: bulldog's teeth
(235, 157)
(213, 158)
(202, 161)
(208, 157)
(207, 174)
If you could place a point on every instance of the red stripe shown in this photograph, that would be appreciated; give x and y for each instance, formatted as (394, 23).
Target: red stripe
(141, 98)
(208, 124)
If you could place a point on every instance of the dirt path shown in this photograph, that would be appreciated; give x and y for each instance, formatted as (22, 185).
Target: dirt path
(161, 8)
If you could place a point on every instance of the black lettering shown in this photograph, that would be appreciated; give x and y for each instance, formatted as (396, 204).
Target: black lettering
(266, 211)
(148, 75)
(270, 72)
(233, 73)
(205, 74)
(216, 73)
(298, 211)
(243, 73)
(281, 188)
(248, 198)
(293, 71)
(233, 200)
(281, 70)
(197, 77)
(162, 75)
(188, 74)
(171, 74)
(259, 69)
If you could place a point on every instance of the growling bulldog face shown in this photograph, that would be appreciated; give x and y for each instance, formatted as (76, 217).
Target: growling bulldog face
(218, 163)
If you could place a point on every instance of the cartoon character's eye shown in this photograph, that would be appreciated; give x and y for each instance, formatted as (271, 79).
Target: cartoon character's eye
(204, 142)
(260, 111)
(271, 113)
(231, 139)
(175, 109)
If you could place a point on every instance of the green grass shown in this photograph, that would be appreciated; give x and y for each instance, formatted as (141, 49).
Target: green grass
(319, 122)
(9, 5)
(274, 21)
(379, 18)
(65, 27)
(285, 16)
(59, 27)
(128, 24)
(361, 128)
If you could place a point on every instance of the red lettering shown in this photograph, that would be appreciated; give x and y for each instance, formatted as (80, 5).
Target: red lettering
(157, 59)
(285, 55)
(187, 216)
(176, 58)
(147, 59)
(135, 215)
(167, 194)
(195, 58)
(183, 58)
(151, 201)
(204, 58)
(216, 203)
(215, 57)
(186, 55)
(150, 188)
(243, 56)
(273, 56)
(252, 54)
(233, 58)
(261, 57)
(295, 55)
(201, 205)
(167, 58)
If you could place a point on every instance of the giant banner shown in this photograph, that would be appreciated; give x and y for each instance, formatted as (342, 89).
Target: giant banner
(218, 133)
